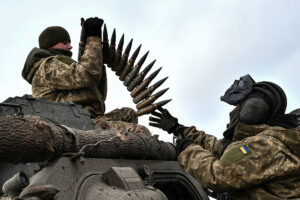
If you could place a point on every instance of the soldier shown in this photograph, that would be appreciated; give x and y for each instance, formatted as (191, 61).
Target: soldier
(55, 76)
(259, 157)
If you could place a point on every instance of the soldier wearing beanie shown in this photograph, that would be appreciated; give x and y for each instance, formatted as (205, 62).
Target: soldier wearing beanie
(55, 76)
(259, 157)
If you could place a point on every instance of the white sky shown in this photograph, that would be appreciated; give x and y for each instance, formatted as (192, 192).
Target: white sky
(202, 45)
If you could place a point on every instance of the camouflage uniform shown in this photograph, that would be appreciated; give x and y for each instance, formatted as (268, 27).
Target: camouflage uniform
(262, 162)
(60, 78)
(121, 119)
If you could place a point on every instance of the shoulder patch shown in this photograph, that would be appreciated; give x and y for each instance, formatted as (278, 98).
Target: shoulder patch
(244, 149)
(234, 155)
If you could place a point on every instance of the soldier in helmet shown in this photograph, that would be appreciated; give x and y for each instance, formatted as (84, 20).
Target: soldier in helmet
(55, 76)
(259, 157)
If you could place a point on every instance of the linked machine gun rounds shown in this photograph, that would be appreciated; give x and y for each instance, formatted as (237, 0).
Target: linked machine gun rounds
(152, 107)
(145, 83)
(124, 59)
(112, 50)
(130, 74)
(118, 54)
(135, 70)
(151, 99)
(140, 77)
(146, 93)
(105, 45)
(130, 63)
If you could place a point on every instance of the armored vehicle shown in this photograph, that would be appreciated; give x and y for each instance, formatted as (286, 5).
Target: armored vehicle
(65, 177)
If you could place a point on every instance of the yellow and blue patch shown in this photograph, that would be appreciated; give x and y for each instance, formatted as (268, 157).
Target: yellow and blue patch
(234, 154)
(245, 149)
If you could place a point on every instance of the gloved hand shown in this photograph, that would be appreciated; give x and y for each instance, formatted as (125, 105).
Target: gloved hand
(164, 120)
(182, 144)
(92, 26)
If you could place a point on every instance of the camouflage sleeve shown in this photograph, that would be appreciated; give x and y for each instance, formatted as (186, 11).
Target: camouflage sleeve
(62, 75)
(244, 164)
(206, 141)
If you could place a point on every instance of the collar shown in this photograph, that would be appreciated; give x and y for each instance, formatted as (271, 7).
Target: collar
(243, 131)
(60, 52)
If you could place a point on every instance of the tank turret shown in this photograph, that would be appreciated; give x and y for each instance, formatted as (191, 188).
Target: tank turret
(118, 167)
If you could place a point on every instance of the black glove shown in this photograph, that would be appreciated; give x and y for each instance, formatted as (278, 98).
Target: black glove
(164, 120)
(182, 144)
(92, 26)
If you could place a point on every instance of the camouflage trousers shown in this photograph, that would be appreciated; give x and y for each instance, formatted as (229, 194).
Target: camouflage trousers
(121, 119)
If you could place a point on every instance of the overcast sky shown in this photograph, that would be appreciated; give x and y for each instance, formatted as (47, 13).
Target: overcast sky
(202, 45)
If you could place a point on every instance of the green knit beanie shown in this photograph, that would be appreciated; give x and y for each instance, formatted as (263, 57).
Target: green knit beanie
(53, 35)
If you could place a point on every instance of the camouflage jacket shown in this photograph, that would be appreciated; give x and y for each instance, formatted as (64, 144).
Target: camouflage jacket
(60, 78)
(262, 162)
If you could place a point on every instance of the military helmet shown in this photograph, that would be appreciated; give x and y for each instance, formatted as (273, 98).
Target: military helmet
(265, 101)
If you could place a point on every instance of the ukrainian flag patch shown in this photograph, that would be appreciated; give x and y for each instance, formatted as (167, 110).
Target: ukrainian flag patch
(245, 150)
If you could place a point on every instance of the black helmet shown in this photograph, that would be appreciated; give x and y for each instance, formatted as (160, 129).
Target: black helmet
(265, 101)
